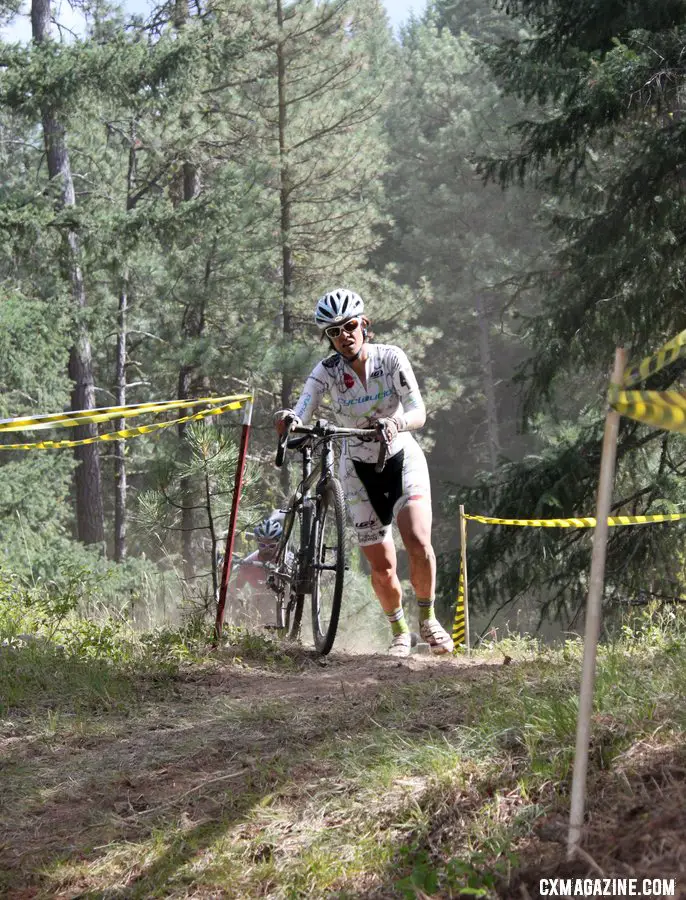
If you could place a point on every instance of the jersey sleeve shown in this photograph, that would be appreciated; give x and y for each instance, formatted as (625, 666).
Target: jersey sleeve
(315, 387)
(405, 383)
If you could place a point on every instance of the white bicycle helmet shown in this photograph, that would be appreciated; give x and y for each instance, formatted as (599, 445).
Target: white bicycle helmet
(337, 306)
(269, 530)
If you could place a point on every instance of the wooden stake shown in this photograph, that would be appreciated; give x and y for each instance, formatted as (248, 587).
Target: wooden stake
(593, 614)
(463, 551)
(228, 553)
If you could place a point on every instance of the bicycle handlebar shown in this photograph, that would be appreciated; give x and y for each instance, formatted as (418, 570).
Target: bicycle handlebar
(331, 431)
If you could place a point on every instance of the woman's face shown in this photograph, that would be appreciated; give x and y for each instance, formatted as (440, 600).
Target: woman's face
(267, 550)
(347, 338)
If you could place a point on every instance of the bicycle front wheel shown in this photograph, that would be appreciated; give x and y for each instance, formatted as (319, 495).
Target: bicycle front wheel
(296, 599)
(328, 559)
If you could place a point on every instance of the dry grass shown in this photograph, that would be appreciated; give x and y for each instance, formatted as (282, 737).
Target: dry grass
(636, 824)
(358, 777)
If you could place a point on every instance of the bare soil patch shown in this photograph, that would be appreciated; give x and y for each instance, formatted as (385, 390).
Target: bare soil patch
(636, 826)
(333, 676)
(206, 754)
(233, 737)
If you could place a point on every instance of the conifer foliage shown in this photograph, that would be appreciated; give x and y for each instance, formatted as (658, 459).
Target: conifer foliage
(604, 136)
(607, 137)
(178, 191)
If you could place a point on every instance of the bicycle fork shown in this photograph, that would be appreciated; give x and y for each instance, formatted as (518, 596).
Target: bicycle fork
(304, 585)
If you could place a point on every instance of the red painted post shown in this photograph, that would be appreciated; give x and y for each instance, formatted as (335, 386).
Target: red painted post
(228, 553)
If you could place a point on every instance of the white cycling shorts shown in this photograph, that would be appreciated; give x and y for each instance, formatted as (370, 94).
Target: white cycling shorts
(374, 500)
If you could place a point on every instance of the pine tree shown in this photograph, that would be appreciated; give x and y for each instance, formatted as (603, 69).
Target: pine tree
(315, 97)
(88, 485)
(463, 241)
(604, 136)
(608, 142)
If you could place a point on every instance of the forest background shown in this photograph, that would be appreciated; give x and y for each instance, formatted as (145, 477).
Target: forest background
(502, 184)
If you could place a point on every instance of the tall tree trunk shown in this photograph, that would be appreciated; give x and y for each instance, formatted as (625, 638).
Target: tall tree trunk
(287, 264)
(192, 327)
(120, 446)
(187, 518)
(488, 383)
(120, 485)
(90, 516)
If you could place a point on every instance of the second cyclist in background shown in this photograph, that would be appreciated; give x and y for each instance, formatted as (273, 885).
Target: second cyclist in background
(253, 600)
(373, 385)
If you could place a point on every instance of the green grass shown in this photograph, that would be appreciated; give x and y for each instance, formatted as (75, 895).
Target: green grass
(163, 772)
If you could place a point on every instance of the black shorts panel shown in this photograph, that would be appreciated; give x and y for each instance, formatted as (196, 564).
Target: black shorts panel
(384, 489)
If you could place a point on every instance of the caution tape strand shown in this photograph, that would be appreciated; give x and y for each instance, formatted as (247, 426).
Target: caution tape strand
(128, 432)
(671, 351)
(661, 409)
(459, 625)
(108, 413)
(581, 522)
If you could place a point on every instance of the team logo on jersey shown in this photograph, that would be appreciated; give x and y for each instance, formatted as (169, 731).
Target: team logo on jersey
(356, 401)
(377, 373)
(348, 380)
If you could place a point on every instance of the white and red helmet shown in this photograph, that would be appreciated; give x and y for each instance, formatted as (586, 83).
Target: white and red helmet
(336, 307)
(269, 531)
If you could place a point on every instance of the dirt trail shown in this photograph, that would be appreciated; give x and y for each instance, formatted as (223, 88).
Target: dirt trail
(218, 735)
(194, 758)
(339, 676)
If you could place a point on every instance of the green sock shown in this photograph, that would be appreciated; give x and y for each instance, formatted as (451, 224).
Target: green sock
(426, 609)
(398, 623)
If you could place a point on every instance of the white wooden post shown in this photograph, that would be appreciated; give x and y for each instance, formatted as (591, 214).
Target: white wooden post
(593, 612)
(463, 551)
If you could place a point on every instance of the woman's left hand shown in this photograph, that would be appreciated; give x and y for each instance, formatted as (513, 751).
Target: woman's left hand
(388, 428)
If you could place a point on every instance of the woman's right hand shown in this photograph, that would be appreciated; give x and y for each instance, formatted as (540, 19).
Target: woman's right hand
(282, 416)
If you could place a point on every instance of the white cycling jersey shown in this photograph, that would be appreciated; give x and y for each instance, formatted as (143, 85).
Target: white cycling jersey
(391, 389)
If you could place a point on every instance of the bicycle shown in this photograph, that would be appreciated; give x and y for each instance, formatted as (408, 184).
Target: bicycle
(310, 555)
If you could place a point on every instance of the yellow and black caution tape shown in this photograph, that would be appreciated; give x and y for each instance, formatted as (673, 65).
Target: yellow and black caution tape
(661, 409)
(108, 413)
(582, 522)
(130, 432)
(668, 353)
(458, 624)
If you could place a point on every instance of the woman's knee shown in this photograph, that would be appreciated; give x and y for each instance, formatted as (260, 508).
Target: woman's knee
(384, 575)
(419, 548)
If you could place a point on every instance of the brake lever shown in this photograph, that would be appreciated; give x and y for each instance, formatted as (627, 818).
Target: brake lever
(283, 440)
(383, 453)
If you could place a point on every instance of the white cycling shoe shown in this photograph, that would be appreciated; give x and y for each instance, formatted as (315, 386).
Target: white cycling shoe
(401, 645)
(434, 634)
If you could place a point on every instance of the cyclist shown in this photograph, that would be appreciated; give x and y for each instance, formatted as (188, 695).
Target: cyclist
(373, 385)
(251, 572)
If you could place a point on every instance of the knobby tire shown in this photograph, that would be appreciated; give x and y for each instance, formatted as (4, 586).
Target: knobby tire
(293, 603)
(330, 503)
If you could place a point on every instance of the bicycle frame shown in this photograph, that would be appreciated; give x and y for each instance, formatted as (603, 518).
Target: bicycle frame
(302, 499)
(313, 479)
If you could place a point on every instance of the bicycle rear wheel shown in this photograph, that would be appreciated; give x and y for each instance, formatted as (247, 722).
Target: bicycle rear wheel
(329, 564)
(292, 560)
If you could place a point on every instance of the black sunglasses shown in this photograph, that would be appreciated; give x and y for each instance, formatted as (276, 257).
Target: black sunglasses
(336, 330)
